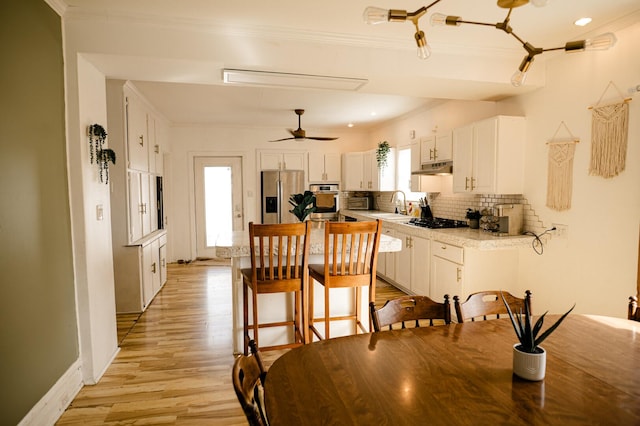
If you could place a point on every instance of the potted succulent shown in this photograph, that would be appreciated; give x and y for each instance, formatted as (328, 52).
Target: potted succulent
(474, 218)
(529, 358)
(381, 154)
(303, 205)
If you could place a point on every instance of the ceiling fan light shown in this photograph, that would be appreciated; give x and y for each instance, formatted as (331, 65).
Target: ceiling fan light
(375, 15)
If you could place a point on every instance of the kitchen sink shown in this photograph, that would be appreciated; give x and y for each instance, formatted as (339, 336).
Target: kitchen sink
(390, 216)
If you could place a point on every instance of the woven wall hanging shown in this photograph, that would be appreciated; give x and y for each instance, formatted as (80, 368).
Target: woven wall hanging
(609, 134)
(560, 170)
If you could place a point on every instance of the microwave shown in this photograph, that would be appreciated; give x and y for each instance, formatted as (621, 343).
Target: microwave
(358, 203)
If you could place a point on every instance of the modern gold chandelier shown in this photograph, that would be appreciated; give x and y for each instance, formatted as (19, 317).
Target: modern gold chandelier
(376, 15)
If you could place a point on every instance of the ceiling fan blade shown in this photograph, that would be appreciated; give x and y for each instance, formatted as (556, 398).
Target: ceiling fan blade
(320, 138)
(280, 140)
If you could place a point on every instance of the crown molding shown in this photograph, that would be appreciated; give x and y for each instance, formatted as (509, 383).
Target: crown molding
(59, 6)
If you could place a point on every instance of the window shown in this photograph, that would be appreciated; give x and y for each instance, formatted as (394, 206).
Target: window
(404, 174)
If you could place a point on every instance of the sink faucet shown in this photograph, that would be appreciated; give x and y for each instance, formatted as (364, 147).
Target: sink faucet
(404, 200)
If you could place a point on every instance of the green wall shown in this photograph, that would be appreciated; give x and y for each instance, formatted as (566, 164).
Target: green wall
(38, 331)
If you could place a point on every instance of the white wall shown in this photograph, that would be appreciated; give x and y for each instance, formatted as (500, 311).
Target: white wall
(189, 141)
(92, 237)
(596, 266)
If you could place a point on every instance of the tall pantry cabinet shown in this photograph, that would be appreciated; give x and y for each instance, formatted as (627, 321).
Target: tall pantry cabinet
(137, 134)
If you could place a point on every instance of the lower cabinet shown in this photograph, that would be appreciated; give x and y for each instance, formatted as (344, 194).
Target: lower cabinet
(139, 272)
(409, 267)
(447, 269)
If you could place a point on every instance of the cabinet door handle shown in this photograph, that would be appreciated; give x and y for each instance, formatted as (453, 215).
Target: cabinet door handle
(153, 267)
(466, 183)
(472, 183)
(458, 274)
(141, 142)
(431, 154)
(156, 149)
(435, 153)
(164, 263)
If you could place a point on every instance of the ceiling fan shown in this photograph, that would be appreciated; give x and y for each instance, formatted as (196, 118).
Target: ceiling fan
(300, 135)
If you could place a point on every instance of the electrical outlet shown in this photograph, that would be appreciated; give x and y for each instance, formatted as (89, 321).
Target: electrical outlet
(561, 231)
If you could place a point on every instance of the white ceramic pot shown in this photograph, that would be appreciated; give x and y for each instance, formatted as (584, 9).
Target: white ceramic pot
(529, 366)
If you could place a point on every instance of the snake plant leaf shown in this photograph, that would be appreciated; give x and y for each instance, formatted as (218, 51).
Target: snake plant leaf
(553, 327)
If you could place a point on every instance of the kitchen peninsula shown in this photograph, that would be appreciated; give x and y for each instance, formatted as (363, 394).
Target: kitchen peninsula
(235, 246)
(455, 261)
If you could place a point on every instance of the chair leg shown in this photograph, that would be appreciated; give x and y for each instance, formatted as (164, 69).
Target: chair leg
(357, 302)
(326, 311)
(245, 318)
(254, 298)
(372, 298)
(297, 319)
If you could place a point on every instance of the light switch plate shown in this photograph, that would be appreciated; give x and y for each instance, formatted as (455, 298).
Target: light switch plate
(99, 212)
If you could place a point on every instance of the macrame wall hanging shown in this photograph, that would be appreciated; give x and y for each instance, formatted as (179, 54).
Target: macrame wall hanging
(609, 133)
(560, 170)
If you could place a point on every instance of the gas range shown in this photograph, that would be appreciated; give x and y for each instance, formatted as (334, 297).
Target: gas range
(438, 223)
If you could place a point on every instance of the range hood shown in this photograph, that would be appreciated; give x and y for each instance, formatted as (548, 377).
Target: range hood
(442, 168)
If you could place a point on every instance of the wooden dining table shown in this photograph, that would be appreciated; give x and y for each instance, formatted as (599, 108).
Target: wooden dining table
(461, 374)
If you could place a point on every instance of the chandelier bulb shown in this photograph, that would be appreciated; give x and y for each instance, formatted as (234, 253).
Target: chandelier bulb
(424, 51)
(518, 78)
(375, 15)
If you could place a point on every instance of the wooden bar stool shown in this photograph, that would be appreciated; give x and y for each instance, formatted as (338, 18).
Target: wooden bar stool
(279, 260)
(350, 259)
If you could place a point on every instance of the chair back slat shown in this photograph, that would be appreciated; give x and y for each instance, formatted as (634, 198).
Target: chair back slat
(488, 304)
(280, 250)
(248, 375)
(410, 309)
(353, 248)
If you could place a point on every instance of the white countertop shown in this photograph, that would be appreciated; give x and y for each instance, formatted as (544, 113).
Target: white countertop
(236, 244)
(462, 237)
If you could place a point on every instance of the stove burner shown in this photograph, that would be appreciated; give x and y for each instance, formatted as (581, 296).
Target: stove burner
(438, 222)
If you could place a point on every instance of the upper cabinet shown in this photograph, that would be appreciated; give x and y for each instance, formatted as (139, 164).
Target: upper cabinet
(273, 160)
(324, 167)
(137, 135)
(436, 148)
(488, 156)
(360, 172)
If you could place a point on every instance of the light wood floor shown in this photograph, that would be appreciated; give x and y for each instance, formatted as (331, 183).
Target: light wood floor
(174, 365)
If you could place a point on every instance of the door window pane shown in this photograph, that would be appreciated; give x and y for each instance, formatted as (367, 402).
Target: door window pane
(218, 211)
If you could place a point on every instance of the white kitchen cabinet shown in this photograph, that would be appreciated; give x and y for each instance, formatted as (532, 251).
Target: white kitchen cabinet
(360, 172)
(436, 148)
(324, 167)
(411, 264)
(386, 261)
(447, 270)
(142, 205)
(422, 183)
(270, 160)
(138, 246)
(137, 142)
(353, 171)
(489, 156)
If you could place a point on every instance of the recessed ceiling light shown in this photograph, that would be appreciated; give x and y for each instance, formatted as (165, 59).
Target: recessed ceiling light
(373, 113)
(582, 22)
(350, 125)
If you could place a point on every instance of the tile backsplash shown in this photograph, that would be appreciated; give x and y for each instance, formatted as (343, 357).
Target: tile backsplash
(454, 206)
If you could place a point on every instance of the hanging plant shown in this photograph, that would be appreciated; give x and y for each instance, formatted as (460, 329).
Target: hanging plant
(102, 156)
(381, 154)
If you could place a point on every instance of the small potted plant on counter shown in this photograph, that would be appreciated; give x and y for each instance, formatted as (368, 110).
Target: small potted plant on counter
(303, 205)
(474, 218)
(530, 359)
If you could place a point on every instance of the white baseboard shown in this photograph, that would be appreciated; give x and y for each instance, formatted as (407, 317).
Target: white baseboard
(51, 406)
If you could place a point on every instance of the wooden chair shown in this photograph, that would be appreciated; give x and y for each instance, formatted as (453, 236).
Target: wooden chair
(410, 308)
(488, 305)
(248, 378)
(279, 260)
(345, 266)
(633, 312)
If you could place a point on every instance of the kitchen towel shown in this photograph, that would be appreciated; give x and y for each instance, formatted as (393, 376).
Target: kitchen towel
(560, 175)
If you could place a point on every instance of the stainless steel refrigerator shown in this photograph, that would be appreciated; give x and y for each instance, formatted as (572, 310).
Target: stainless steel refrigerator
(277, 187)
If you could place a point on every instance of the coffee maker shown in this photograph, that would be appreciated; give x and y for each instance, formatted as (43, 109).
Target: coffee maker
(510, 218)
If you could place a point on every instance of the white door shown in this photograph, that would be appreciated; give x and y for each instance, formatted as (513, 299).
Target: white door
(219, 210)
